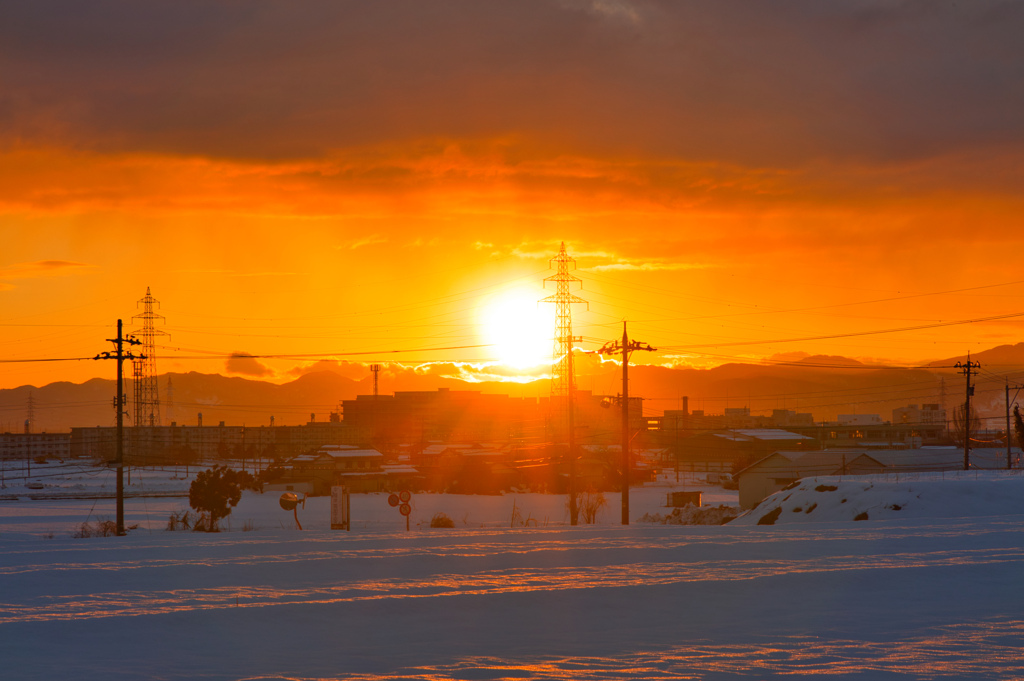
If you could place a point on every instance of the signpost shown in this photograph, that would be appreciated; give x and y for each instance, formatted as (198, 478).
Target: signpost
(401, 500)
(341, 515)
(290, 502)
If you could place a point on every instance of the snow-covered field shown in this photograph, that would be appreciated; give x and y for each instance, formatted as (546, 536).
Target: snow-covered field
(49, 510)
(897, 596)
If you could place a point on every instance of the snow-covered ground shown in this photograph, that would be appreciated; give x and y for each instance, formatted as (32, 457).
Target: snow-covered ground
(49, 511)
(905, 595)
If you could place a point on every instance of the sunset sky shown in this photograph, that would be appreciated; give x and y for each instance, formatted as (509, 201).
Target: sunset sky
(314, 179)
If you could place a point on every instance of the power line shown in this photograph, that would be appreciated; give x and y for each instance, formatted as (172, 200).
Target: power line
(855, 333)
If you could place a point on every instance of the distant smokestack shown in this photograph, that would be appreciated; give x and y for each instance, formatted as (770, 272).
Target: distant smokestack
(200, 419)
(686, 405)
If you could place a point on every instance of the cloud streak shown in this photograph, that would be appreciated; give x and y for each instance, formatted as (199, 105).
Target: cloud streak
(646, 267)
(40, 268)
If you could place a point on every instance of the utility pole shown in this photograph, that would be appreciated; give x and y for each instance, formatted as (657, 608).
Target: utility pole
(1007, 422)
(1017, 388)
(625, 347)
(968, 369)
(375, 407)
(119, 402)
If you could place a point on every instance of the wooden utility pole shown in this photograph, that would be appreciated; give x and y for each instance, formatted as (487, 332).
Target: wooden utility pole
(968, 369)
(625, 426)
(574, 508)
(1017, 388)
(120, 355)
(1008, 460)
(625, 347)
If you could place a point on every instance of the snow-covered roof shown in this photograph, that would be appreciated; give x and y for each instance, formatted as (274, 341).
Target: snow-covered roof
(438, 448)
(399, 469)
(351, 453)
(946, 458)
(618, 448)
(761, 434)
(830, 461)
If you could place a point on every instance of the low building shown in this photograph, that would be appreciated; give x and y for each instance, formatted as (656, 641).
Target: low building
(201, 445)
(726, 450)
(859, 420)
(35, 445)
(360, 470)
(923, 415)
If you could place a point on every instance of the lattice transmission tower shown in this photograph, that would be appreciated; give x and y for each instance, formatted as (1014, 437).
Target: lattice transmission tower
(563, 389)
(562, 373)
(147, 390)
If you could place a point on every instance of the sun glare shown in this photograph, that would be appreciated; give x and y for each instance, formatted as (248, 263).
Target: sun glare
(520, 329)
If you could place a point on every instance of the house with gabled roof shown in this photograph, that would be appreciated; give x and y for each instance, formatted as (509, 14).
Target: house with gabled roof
(781, 469)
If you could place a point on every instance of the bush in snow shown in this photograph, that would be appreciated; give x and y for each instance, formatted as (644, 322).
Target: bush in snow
(180, 521)
(101, 528)
(215, 492)
(693, 515)
(441, 520)
(589, 504)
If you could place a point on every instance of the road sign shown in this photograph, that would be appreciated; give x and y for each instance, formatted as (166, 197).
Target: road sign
(402, 500)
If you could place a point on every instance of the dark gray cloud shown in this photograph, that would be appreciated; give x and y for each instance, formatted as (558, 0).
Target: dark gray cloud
(244, 363)
(755, 83)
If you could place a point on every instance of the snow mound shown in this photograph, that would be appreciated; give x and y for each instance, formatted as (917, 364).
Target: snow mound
(888, 497)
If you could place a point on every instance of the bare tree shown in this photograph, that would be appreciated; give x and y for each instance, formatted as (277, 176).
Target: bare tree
(958, 425)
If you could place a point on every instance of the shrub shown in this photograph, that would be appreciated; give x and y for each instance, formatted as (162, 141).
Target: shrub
(863, 515)
(518, 520)
(691, 515)
(590, 504)
(101, 528)
(441, 520)
(825, 488)
(180, 521)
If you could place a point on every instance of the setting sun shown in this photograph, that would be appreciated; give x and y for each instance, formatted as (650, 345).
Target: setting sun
(520, 328)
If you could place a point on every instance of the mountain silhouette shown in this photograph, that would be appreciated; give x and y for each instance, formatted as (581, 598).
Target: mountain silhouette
(823, 385)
